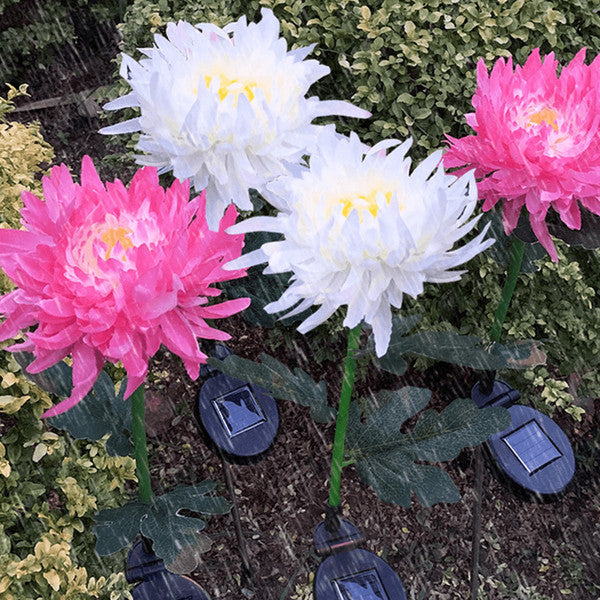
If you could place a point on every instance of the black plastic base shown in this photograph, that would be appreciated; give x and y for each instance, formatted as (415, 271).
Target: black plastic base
(500, 394)
(329, 539)
(167, 586)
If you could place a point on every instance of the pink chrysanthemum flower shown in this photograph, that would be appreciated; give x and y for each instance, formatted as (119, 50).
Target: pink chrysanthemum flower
(107, 272)
(537, 141)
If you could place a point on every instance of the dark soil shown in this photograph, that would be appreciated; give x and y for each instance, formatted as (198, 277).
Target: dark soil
(551, 546)
(526, 547)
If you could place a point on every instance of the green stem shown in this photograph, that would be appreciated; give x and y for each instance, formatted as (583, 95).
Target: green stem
(342, 418)
(138, 430)
(514, 268)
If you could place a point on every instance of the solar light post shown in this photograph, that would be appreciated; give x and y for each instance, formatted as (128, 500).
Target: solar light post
(240, 419)
(534, 452)
(240, 422)
(357, 575)
(349, 572)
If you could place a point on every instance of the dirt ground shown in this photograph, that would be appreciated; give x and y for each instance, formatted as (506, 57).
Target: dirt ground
(527, 548)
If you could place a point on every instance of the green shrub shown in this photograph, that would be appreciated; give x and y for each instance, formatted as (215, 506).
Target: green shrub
(50, 489)
(33, 32)
(410, 62)
(50, 485)
(22, 152)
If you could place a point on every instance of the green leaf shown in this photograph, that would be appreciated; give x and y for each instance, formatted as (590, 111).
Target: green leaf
(421, 113)
(5, 543)
(464, 350)
(170, 531)
(400, 325)
(57, 379)
(115, 528)
(160, 521)
(100, 412)
(587, 236)
(500, 251)
(281, 382)
(261, 289)
(386, 459)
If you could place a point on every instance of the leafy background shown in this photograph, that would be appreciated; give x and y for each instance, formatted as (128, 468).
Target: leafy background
(412, 65)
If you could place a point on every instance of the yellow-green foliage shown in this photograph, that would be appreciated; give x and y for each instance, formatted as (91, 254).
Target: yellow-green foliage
(22, 151)
(51, 486)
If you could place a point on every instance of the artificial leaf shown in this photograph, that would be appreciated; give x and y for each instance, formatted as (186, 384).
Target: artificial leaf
(170, 532)
(57, 379)
(587, 236)
(261, 289)
(281, 382)
(387, 459)
(400, 325)
(500, 251)
(463, 350)
(100, 412)
(188, 557)
(115, 528)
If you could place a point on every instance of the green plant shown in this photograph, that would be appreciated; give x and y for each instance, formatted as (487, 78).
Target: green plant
(48, 28)
(48, 481)
(409, 62)
(53, 484)
(23, 150)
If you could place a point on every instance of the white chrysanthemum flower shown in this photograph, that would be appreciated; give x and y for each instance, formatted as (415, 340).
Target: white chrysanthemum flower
(361, 230)
(224, 107)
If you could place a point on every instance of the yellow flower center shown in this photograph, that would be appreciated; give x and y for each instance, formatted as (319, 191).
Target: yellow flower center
(233, 86)
(362, 203)
(545, 115)
(119, 234)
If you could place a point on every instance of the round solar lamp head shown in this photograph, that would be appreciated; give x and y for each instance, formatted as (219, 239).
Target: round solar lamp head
(346, 537)
(501, 394)
(168, 586)
(533, 452)
(357, 575)
(240, 418)
(142, 563)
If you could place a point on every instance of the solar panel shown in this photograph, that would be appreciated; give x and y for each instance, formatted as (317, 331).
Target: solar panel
(365, 585)
(238, 411)
(532, 447)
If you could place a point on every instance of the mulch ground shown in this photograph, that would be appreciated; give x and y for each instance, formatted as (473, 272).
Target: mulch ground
(552, 547)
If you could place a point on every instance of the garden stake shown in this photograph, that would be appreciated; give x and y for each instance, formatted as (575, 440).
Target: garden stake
(138, 430)
(487, 383)
(476, 545)
(342, 419)
(247, 573)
